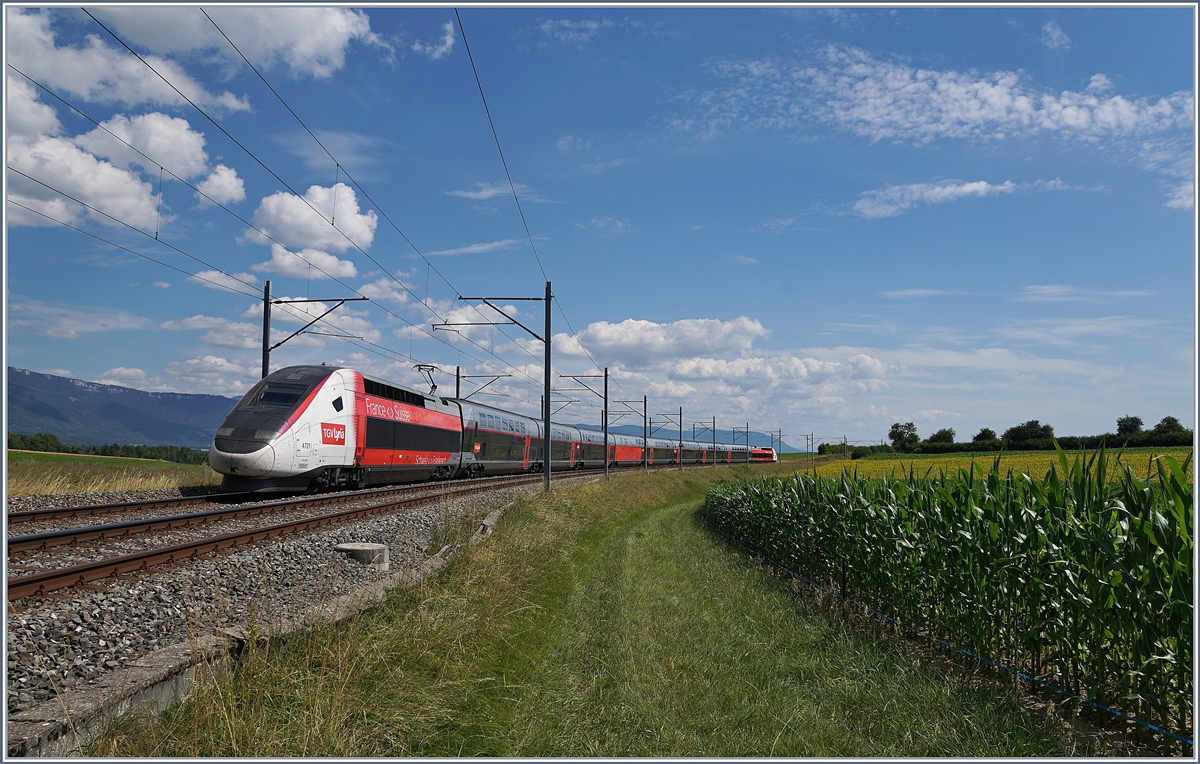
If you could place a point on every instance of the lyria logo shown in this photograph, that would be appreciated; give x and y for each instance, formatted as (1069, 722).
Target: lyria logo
(334, 434)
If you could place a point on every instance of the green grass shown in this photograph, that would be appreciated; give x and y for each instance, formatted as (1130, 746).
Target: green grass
(603, 621)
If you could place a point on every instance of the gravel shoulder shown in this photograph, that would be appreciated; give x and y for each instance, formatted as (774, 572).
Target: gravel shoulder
(59, 645)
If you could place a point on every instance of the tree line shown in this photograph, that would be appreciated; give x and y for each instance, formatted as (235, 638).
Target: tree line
(44, 441)
(1035, 436)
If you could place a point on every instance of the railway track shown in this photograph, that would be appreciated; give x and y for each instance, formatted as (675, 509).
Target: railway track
(84, 575)
(42, 582)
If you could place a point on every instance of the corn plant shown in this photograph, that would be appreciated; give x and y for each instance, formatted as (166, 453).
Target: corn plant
(1082, 579)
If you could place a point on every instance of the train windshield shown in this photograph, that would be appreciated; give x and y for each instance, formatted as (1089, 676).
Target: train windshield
(274, 396)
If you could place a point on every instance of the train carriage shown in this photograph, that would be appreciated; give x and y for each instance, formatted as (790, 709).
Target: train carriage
(316, 427)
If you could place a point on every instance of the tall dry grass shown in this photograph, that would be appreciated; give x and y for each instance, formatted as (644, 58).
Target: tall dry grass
(29, 478)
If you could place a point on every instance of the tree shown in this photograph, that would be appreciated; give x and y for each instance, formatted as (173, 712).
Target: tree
(903, 436)
(985, 433)
(1129, 425)
(1028, 435)
(945, 435)
(1169, 425)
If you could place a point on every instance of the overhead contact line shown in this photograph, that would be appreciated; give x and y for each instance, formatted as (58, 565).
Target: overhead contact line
(350, 177)
(310, 206)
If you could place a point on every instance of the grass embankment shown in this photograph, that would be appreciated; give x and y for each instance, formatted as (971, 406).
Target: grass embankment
(36, 472)
(602, 621)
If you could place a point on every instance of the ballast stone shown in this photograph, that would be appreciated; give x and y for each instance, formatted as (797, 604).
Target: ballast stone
(375, 555)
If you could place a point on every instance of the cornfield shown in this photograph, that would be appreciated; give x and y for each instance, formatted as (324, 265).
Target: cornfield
(1082, 579)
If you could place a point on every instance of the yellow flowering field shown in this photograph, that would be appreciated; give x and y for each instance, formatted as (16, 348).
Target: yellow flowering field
(1035, 464)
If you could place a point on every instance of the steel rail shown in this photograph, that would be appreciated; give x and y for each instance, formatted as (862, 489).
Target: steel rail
(122, 506)
(48, 539)
(47, 581)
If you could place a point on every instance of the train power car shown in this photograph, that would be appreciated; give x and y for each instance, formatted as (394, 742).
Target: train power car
(320, 427)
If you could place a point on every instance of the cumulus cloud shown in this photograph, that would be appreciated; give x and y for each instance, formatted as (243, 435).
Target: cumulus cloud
(893, 200)
(571, 143)
(307, 263)
(441, 49)
(305, 222)
(220, 331)
(475, 249)
(310, 41)
(27, 316)
(213, 375)
(222, 186)
(63, 165)
(385, 289)
(1054, 38)
(27, 116)
(101, 73)
(169, 141)
(882, 100)
(639, 343)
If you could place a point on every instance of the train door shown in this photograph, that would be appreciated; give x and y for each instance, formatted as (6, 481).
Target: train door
(571, 458)
(302, 436)
(526, 463)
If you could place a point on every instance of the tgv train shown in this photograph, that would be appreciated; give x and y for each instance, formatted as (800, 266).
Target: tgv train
(318, 427)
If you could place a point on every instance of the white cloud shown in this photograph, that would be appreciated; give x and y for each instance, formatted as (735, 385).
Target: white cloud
(903, 293)
(69, 321)
(219, 280)
(487, 191)
(27, 115)
(1066, 293)
(222, 186)
(385, 289)
(307, 263)
(474, 249)
(893, 200)
(639, 343)
(169, 141)
(612, 225)
(1054, 38)
(743, 260)
(63, 165)
(882, 100)
(213, 375)
(571, 143)
(220, 331)
(162, 284)
(1182, 197)
(1071, 331)
(598, 167)
(309, 40)
(305, 222)
(574, 31)
(437, 51)
(100, 73)
(779, 225)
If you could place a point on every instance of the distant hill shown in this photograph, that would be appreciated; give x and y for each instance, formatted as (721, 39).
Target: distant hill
(85, 413)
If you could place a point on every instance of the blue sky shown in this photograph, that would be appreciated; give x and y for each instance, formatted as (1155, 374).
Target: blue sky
(811, 219)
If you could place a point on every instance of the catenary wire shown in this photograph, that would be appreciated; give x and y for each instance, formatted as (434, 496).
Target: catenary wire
(349, 177)
(495, 135)
(248, 224)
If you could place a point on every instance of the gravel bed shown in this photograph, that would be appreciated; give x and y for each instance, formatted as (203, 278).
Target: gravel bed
(58, 644)
(60, 500)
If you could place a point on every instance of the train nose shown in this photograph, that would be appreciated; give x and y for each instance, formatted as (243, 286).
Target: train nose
(254, 464)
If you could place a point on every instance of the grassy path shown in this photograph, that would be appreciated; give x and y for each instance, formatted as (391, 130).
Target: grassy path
(603, 622)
